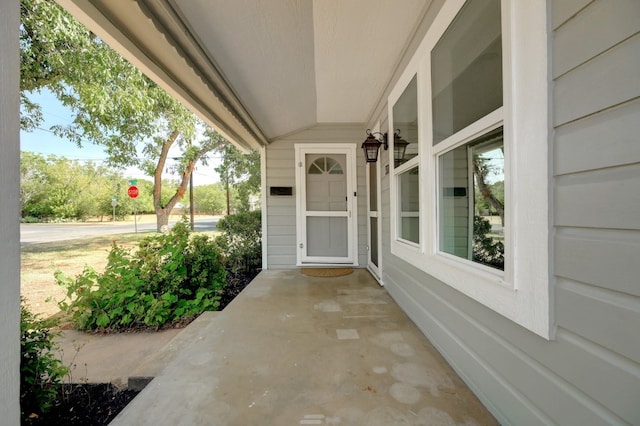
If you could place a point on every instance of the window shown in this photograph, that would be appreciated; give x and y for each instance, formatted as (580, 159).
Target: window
(470, 198)
(466, 69)
(325, 165)
(408, 188)
(405, 120)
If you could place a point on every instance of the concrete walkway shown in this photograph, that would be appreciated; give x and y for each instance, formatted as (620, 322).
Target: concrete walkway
(110, 358)
(298, 350)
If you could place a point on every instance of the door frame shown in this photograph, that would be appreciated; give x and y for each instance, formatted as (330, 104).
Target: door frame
(349, 150)
(375, 270)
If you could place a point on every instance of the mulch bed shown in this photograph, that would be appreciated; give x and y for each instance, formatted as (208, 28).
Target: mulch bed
(83, 404)
(98, 404)
(235, 284)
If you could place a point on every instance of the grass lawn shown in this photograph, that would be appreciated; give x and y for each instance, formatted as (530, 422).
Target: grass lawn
(40, 261)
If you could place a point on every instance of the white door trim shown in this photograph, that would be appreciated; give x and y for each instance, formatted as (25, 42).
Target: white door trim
(375, 270)
(349, 150)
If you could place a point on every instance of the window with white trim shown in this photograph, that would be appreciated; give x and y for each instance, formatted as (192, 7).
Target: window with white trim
(405, 113)
(470, 205)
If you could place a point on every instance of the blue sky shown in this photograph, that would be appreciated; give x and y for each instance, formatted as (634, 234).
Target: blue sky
(44, 142)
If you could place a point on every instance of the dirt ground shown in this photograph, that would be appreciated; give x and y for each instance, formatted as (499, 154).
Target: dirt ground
(38, 285)
(40, 261)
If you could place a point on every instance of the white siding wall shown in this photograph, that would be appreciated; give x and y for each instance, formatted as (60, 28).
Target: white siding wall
(9, 214)
(590, 373)
(281, 210)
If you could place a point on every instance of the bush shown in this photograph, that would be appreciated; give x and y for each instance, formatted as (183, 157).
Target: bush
(241, 242)
(485, 249)
(31, 219)
(41, 370)
(171, 278)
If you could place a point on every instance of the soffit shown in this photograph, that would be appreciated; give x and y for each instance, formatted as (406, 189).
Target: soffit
(262, 69)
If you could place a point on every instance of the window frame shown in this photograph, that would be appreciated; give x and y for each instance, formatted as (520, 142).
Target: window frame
(522, 292)
(396, 219)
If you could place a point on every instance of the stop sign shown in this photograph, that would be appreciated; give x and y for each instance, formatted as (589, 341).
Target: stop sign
(133, 191)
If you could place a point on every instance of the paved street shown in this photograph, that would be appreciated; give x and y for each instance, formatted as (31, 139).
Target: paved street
(46, 232)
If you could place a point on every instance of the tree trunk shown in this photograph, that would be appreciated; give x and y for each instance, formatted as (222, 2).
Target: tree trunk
(228, 199)
(162, 218)
(162, 212)
(486, 192)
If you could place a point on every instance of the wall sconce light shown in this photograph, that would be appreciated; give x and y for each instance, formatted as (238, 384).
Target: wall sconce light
(399, 147)
(371, 145)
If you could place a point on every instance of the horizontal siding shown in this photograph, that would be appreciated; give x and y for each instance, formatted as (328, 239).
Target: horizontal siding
(607, 80)
(281, 210)
(587, 144)
(281, 262)
(276, 250)
(283, 240)
(562, 11)
(596, 105)
(282, 206)
(280, 231)
(607, 198)
(283, 174)
(279, 163)
(282, 181)
(598, 27)
(580, 256)
(281, 221)
(603, 316)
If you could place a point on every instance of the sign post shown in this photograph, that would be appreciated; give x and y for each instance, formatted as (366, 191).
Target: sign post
(114, 203)
(133, 193)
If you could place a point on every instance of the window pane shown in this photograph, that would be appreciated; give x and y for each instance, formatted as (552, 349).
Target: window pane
(374, 240)
(466, 69)
(471, 200)
(409, 205)
(405, 119)
(373, 187)
(326, 185)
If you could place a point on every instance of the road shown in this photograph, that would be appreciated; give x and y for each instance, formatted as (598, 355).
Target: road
(46, 232)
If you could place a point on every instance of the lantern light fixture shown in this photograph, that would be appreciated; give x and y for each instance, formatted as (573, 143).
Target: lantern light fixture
(372, 144)
(399, 147)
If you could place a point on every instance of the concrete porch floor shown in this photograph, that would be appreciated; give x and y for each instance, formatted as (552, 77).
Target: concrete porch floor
(298, 350)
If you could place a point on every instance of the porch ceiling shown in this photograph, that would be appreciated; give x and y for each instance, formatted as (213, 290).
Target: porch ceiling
(255, 69)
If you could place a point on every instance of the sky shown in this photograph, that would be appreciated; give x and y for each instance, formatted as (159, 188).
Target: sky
(44, 142)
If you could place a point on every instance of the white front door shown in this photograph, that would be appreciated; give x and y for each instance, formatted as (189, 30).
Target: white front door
(326, 216)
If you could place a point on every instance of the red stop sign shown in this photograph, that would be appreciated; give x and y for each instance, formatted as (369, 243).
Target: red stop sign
(133, 191)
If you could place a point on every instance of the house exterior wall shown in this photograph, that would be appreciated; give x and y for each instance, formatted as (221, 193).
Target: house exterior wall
(9, 214)
(589, 373)
(281, 210)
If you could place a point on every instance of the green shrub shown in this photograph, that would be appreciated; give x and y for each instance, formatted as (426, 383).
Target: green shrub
(241, 242)
(486, 250)
(41, 370)
(170, 278)
(31, 219)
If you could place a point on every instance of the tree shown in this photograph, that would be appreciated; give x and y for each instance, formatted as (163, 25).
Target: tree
(492, 194)
(114, 104)
(210, 199)
(242, 171)
(59, 188)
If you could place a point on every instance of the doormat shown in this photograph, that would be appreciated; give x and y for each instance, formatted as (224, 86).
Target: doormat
(326, 272)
